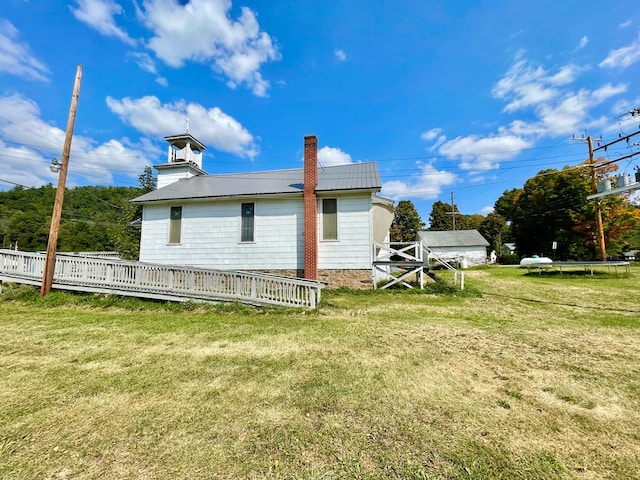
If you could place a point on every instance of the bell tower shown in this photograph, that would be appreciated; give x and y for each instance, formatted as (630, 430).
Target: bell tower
(184, 159)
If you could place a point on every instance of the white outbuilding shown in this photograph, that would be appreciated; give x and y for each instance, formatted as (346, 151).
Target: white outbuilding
(462, 246)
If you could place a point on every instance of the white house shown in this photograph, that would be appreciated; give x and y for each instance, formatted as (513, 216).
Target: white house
(457, 245)
(315, 222)
(508, 248)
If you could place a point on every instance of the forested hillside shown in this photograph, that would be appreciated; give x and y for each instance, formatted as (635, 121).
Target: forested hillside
(93, 219)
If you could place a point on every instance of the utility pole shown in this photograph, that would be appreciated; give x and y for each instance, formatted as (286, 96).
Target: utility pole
(594, 180)
(594, 188)
(453, 212)
(50, 262)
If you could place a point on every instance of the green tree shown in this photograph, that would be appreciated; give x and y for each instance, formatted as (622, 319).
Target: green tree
(470, 222)
(441, 217)
(88, 216)
(553, 207)
(147, 181)
(406, 222)
(494, 229)
(124, 235)
(505, 206)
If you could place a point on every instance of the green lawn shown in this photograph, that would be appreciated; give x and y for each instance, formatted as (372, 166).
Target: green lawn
(538, 377)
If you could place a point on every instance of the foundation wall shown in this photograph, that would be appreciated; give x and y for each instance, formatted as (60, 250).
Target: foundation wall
(356, 279)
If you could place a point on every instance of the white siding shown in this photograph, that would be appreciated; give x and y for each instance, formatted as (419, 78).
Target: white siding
(172, 175)
(352, 250)
(210, 235)
(473, 255)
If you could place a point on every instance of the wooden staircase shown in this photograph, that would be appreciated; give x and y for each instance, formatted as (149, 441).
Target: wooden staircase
(397, 262)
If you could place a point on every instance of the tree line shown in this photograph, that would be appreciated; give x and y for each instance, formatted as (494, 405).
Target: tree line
(94, 218)
(550, 209)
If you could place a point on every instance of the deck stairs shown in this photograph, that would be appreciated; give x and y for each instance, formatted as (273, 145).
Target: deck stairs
(398, 263)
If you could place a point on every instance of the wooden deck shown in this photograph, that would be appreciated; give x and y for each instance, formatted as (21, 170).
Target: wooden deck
(164, 282)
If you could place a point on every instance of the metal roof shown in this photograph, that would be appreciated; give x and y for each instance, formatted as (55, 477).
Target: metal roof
(354, 176)
(453, 238)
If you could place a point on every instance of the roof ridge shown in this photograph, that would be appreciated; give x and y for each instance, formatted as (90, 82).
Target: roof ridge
(300, 169)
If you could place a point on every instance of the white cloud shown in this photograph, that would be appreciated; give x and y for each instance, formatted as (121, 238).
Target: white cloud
(430, 135)
(144, 61)
(568, 114)
(16, 57)
(566, 75)
(526, 85)
(210, 125)
(427, 184)
(625, 24)
(434, 134)
(487, 210)
(25, 166)
(583, 42)
(557, 109)
(330, 156)
(20, 123)
(340, 55)
(623, 57)
(607, 91)
(483, 153)
(162, 81)
(202, 31)
(98, 14)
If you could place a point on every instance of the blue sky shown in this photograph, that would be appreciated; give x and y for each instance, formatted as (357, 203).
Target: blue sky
(471, 97)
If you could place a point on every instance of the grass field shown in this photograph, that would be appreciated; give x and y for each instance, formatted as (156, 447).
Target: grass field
(536, 377)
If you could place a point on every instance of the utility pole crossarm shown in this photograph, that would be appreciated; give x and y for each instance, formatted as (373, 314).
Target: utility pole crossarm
(621, 139)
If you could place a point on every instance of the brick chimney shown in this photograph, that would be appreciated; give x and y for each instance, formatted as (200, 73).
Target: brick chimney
(310, 207)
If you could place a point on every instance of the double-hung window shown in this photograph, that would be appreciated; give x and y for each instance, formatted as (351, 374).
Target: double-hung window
(175, 224)
(247, 222)
(329, 219)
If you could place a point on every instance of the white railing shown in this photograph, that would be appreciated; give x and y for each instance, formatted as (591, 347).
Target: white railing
(413, 256)
(442, 262)
(169, 282)
(107, 254)
(393, 257)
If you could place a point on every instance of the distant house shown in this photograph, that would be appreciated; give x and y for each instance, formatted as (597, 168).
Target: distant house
(508, 249)
(319, 223)
(457, 245)
(631, 255)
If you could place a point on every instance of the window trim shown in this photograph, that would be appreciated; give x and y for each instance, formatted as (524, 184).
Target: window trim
(322, 220)
(172, 225)
(253, 222)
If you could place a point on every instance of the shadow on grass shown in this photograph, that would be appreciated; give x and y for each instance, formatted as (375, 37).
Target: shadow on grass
(30, 295)
(435, 288)
(571, 274)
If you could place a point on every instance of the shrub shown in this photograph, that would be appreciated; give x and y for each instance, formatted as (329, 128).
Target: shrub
(510, 259)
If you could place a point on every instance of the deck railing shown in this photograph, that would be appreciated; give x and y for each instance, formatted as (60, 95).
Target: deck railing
(457, 275)
(168, 282)
(413, 258)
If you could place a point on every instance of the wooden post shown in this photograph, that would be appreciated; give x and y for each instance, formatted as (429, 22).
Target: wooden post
(50, 263)
(594, 187)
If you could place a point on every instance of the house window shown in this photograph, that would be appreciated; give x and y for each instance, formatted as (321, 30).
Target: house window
(175, 224)
(246, 229)
(329, 219)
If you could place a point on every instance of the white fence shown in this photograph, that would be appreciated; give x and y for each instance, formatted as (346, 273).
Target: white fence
(167, 282)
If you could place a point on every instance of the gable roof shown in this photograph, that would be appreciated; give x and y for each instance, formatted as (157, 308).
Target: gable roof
(354, 176)
(455, 238)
